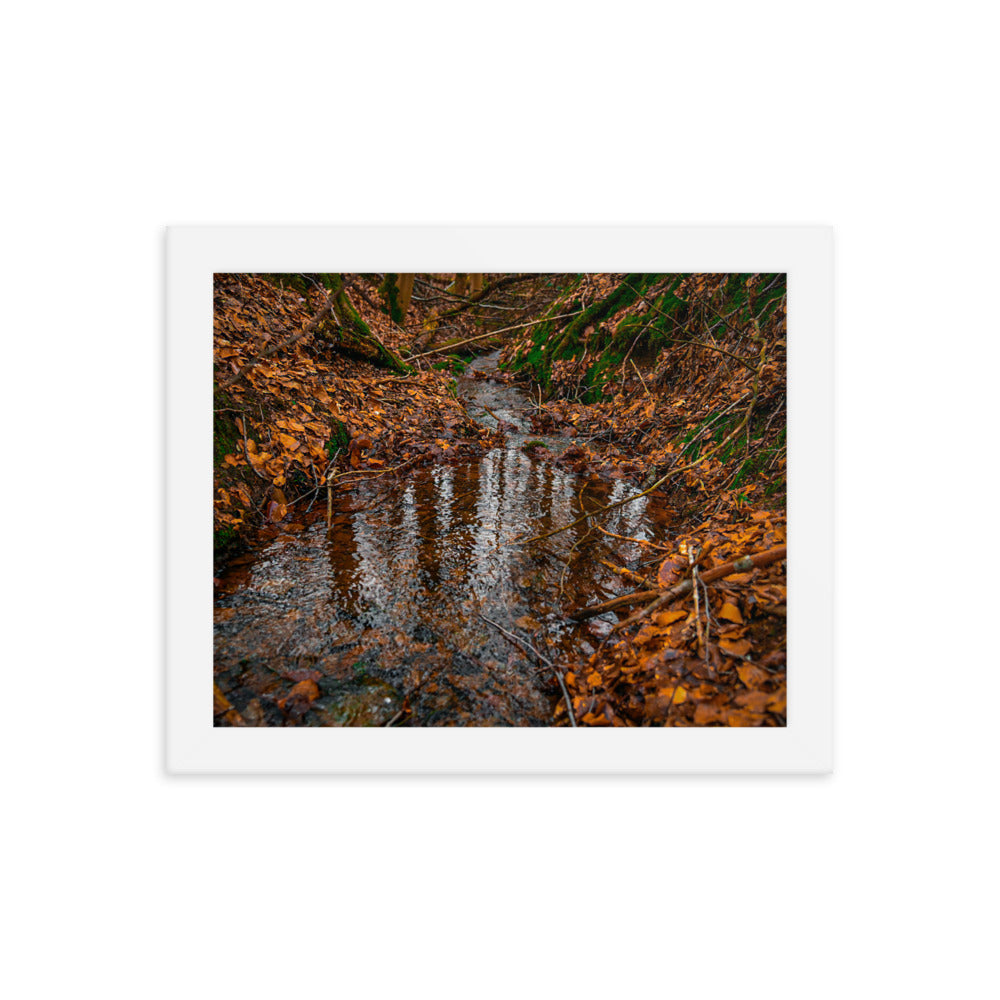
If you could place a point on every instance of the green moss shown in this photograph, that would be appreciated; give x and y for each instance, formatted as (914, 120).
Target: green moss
(222, 539)
(598, 375)
(571, 342)
(453, 363)
(339, 438)
(225, 437)
(390, 296)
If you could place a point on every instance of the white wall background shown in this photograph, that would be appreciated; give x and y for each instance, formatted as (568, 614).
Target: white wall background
(878, 118)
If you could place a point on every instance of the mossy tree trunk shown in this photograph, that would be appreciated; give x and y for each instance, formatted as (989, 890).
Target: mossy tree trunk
(607, 333)
(390, 297)
(591, 338)
(352, 333)
(397, 290)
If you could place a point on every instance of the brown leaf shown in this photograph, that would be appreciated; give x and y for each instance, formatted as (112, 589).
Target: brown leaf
(221, 702)
(705, 713)
(734, 647)
(755, 701)
(731, 613)
(670, 572)
(752, 675)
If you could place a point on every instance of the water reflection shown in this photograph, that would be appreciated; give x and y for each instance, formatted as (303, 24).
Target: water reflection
(407, 569)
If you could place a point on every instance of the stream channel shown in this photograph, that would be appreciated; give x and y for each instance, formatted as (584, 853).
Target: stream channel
(390, 606)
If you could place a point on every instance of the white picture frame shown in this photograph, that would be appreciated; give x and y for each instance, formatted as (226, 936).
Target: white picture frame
(196, 746)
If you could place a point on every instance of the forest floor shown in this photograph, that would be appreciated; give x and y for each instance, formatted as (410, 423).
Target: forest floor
(683, 634)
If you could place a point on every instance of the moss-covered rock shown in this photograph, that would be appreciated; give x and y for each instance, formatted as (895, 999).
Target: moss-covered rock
(361, 701)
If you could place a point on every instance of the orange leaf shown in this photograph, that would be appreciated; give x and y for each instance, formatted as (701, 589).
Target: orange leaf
(305, 689)
(731, 613)
(735, 647)
(778, 702)
(221, 702)
(665, 618)
(676, 696)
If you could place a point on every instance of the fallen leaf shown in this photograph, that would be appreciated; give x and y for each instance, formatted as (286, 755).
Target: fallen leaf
(734, 647)
(731, 613)
(664, 618)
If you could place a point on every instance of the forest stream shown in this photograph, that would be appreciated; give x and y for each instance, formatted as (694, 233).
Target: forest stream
(399, 614)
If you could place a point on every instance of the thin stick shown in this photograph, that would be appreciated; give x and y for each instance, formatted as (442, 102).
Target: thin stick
(246, 448)
(519, 642)
(697, 609)
(623, 571)
(641, 379)
(635, 541)
(393, 719)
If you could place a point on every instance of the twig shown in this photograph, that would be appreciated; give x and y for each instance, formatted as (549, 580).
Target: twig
(246, 448)
(519, 642)
(624, 571)
(697, 610)
(636, 541)
(641, 379)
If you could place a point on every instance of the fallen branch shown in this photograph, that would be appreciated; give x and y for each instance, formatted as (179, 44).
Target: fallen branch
(741, 565)
(443, 348)
(528, 648)
(636, 597)
(510, 279)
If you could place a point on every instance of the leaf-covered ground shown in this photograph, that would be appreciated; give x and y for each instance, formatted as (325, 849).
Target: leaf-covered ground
(298, 414)
(677, 388)
(702, 421)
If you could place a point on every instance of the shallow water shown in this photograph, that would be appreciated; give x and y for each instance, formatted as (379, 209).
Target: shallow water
(390, 605)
